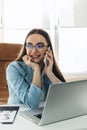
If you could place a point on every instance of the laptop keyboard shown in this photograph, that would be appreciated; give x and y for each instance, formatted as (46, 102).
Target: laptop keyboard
(38, 115)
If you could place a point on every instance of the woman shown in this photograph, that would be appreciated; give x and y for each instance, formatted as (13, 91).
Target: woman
(34, 70)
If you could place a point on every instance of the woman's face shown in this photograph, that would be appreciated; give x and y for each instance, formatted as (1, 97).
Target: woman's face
(36, 47)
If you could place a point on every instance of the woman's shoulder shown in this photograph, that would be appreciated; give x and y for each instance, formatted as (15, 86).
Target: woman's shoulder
(18, 66)
(15, 64)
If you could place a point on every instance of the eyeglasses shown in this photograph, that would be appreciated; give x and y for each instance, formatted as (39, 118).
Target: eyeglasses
(39, 46)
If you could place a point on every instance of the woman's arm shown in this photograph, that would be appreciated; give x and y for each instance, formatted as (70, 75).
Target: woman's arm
(36, 70)
(52, 77)
(49, 67)
(37, 76)
(26, 91)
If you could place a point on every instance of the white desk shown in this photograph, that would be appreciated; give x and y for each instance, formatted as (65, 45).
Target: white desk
(21, 123)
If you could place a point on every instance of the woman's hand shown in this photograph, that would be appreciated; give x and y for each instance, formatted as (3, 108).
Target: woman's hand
(49, 66)
(28, 61)
(37, 74)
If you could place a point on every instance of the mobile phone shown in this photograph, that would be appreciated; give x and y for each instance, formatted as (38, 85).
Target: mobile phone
(8, 114)
(45, 60)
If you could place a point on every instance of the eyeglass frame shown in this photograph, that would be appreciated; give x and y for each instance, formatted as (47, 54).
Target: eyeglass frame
(36, 47)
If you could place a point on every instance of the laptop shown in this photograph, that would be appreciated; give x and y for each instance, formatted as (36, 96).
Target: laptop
(64, 101)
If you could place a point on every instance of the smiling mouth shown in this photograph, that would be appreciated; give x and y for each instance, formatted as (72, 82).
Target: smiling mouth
(35, 57)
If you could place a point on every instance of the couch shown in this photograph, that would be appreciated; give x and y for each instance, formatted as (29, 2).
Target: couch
(8, 53)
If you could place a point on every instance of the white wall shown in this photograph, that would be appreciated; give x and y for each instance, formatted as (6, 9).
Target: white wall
(80, 13)
(72, 29)
(72, 13)
(65, 11)
(21, 16)
(73, 49)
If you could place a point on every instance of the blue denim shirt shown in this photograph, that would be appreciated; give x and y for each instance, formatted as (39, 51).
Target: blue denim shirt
(21, 89)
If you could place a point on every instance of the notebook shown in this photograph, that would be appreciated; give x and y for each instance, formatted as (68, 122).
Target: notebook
(64, 101)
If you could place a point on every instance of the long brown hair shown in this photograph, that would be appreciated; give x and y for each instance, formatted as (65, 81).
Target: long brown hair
(56, 69)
